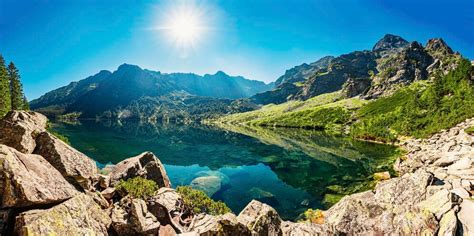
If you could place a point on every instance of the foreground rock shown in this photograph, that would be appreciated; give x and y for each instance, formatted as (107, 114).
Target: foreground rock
(77, 216)
(73, 165)
(131, 217)
(260, 218)
(28, 179)
(20, 128)
(145, 165)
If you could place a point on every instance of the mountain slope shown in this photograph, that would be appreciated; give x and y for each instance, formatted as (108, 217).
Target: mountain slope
(108, 91)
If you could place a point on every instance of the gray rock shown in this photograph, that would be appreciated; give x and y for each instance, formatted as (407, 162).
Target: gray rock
(77, 216)
(20, 128)
(108, 193)
(461, 192)
(466, 217)
(302, 229)
(260, 218)
(76, 167)
(207, 184)
(131, 217)
(448, 224)
(167, 206)
(227, 224)
(440, 203)
(28, 180)
(145, 165)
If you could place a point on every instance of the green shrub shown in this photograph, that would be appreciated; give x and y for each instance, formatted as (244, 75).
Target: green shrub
(470, 130)
(199, 202)
(314, 216)
(419, 111)
(138, 187)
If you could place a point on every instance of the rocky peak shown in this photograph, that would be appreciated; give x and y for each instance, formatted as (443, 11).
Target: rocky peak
(438, 45)
(389, 42)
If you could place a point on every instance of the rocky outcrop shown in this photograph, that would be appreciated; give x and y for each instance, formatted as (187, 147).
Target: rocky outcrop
(131, 217)
(389, 44)
(77, 216)
(304, 71)
(29, 180)
(20, 128)
(76, 167)
(354, 87)
(226, 224)
(145, 165)
(260, 218)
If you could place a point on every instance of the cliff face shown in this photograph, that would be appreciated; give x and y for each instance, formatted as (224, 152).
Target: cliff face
(392, 64)
(64, 195)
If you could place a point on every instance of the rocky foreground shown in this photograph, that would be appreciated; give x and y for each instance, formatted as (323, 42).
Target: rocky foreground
(50, 188)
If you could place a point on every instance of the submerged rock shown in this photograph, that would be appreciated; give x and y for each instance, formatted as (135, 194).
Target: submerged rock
(208, 184)
(145, 165)
(73, 165)
(77, 216)
(28, 179)
(20, 128)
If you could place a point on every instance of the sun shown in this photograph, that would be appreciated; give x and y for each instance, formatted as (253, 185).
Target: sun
(184, 25)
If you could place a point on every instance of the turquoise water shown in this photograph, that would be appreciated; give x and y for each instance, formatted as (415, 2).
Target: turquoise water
(289, 169)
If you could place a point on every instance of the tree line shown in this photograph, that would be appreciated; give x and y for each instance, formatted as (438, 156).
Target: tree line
(11, 89)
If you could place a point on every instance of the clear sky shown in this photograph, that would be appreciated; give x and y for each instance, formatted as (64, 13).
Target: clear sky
(54, 42)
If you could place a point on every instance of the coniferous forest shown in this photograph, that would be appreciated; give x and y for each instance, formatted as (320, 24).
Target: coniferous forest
(11, 89)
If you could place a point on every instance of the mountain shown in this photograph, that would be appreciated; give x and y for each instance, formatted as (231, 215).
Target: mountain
(108, 91)
(392, 63)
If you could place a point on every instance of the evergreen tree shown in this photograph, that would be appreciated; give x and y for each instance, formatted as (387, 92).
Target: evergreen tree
(5, 100)
(17, 96)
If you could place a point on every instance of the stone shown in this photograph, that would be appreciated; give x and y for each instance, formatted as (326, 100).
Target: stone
(208, 184)
(440, 203)
(447, 159)
(28, 180)
(167, 206)
(131, 217)
(227, 224)
(466, 217)
(76, 167)
(260, 218)
(145, 165)
(99, 199)
(382, 175)
(20, 128)
(461, 192)
(462, 164)
(104, 181)
(303, 229)
(108, 193)
(79, 215)
(448, 224)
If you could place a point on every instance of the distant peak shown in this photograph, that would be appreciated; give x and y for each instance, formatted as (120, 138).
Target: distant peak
(438, 45)
(221, 73)
(127, 67)
(388, 42)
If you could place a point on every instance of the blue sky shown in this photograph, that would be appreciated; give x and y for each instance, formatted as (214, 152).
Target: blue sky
(55, 42)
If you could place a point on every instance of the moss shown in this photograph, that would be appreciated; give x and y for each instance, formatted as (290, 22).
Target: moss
(470, 130)
(314, 216)
(199, 202)
(138, 187)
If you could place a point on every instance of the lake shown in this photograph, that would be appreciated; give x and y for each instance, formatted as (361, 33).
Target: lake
(289, 169)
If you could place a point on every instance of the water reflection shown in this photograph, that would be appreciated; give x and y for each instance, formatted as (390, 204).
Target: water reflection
(287, 168)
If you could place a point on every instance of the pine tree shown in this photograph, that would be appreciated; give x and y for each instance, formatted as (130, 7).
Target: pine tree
(5, 100)
(17, 96)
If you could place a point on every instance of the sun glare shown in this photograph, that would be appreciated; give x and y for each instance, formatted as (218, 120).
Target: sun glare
(184, 25)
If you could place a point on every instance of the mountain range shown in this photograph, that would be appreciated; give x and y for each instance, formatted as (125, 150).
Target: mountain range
(112, 93)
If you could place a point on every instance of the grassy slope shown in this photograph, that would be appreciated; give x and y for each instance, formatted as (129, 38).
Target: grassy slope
(418, 110)
(327, 111)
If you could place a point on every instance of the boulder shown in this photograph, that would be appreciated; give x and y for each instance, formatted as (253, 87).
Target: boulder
(448, 224)
(227, 224)
(208, 184)
(28, 179)
(76, 167)
(303, 229)
(20, 128)
(145, 165)
(131, 217)
(108, 193)
(440, 203)
(79, 215)
(260, 218)
(104, 181)
(466, 217)
(167, 206)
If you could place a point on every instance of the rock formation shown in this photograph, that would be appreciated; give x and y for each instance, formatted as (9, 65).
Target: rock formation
(432, 195)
